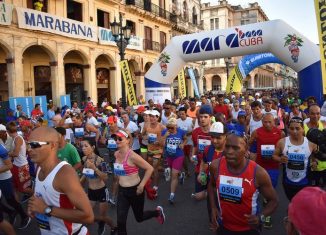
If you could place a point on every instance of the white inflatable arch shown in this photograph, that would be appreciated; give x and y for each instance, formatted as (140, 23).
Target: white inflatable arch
(277, 37)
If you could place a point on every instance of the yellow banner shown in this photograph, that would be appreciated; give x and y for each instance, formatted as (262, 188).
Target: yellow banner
(320, 8)
(128, 82)
(182, 84)
(234, 81)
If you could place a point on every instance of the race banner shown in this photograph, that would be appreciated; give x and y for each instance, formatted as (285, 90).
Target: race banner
(37, 20)
(5, 13)
(320, 8)
(234, 81)
(128, 82)
(26, 103)
(182, 84)
(65, 100)
(193, 79)
(43, 105)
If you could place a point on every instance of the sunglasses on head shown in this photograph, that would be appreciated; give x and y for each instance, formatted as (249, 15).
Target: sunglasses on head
(296, 120)
(37, 144)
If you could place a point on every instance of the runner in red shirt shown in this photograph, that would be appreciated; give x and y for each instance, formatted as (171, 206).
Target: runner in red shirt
(237, 181)
(223, 108)
(36, 112)
(201, 139)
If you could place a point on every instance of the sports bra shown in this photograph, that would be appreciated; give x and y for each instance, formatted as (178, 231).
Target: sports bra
(123, 169)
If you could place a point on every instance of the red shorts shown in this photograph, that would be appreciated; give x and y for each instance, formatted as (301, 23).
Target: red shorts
(175, 163)
(187, 150)
(21, 177)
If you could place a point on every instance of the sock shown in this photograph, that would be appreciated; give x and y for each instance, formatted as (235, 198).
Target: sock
(172, 194)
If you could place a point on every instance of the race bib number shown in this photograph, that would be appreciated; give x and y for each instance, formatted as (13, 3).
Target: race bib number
(202, 143)
(89, 173)
(171, 148)
(267, 151)
(230, 189)
(296, 161)
(79, 132)
(152, 138)
(118, 169)
(42, 221)
(112, 144)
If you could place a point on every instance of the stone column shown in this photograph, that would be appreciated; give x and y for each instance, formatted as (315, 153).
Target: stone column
(10, 73)
(17, 75)
(113, 84)
(58, 76)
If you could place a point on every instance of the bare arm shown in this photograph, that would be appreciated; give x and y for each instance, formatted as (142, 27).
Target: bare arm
(7, 165)
(278, 153)
(92, 128)
(252, 138)
(18, 143)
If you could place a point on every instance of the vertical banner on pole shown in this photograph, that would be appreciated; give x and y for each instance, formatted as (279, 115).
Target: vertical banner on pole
(132, 99)
(320, 8)
(193, 79)
(182, 84)
(43, 104)
(65, 100)
(26, 103)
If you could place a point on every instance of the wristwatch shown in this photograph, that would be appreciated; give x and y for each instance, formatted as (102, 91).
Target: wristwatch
(262, 218)
(48, 210)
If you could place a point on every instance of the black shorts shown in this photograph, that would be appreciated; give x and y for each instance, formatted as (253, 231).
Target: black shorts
(98, 195)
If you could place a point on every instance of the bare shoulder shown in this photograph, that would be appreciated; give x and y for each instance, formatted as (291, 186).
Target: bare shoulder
(65, 178)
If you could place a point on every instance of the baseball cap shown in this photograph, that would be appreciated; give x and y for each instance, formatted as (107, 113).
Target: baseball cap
(121, 133)
(257, 94)
(172, 121)
(3, 127)
(112, 119)
(140, 109)
(226, 101)
(155, 113)
(206, 109)
(306, 210)
(148, 112)
(243, 103)
(242, 113)
(217, 128)
(109, 108)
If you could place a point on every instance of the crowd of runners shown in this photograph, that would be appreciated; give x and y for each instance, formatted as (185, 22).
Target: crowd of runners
(65, 161)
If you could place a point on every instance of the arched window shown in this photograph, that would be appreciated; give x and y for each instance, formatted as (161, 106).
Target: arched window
(194, 16)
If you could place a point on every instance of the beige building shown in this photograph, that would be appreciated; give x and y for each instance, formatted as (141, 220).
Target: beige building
(221, 16)
(58, 47)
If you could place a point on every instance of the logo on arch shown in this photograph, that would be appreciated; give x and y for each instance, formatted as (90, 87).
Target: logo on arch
(233, 40)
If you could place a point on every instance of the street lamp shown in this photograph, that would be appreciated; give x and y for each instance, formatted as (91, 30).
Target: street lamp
(121, 37)
(227, 61)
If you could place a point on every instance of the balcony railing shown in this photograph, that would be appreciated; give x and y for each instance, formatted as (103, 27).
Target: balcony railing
(147, 5)
(151, 45)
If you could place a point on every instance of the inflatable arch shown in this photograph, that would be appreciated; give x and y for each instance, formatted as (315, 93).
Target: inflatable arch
(277, 37)
(245, 66)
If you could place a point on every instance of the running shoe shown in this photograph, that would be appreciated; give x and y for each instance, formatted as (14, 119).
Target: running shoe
(161, 216)
(101, 228)
(171, 199)
(268, 222)
(182, 178)
(25, 222)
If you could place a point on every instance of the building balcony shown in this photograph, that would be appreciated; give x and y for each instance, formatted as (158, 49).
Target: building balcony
(185, 26)
(152, 45)
(156, 10)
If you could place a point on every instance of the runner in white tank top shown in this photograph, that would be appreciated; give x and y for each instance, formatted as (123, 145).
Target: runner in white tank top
(50, 224)
(253, 125)
(60, 205)
(21, 159)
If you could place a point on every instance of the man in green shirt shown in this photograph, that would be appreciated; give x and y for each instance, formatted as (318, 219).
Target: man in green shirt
(67, 152)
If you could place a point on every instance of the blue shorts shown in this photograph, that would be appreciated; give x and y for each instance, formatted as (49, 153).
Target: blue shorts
(7, 188)
(253, 147)
(273, 174)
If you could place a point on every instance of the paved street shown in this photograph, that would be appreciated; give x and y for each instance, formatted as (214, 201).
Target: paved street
(185, 217)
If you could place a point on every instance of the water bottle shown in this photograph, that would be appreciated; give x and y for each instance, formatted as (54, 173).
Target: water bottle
(203, 178)
(195, 159)
(167, 174)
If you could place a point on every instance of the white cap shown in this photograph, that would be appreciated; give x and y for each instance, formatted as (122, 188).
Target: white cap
(148, 112)
(217, 128)
(3, 128)
(257, 94)
(155, 113)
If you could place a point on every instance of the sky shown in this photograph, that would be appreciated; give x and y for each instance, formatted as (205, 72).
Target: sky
(300, 14)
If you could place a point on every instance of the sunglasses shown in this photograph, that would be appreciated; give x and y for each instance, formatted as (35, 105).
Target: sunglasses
(37, 144)
(116, 138)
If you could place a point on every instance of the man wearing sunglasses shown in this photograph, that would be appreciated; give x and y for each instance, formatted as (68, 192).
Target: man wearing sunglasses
(59, 204)
(238, 181)
(167, 113)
